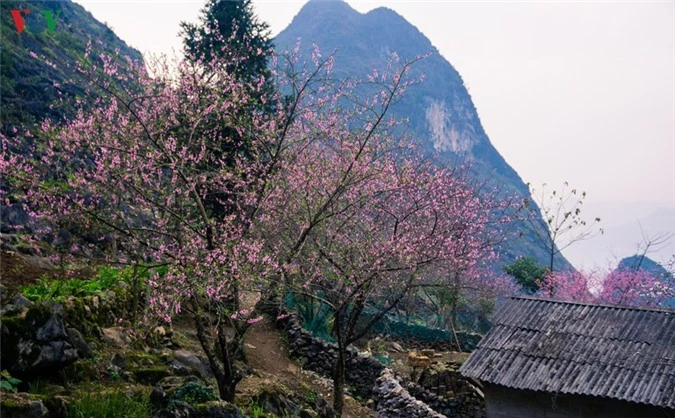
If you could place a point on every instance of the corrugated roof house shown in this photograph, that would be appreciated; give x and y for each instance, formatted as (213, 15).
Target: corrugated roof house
(546, 358)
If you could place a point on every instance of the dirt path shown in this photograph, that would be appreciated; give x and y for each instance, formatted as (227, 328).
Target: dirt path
(268, 355)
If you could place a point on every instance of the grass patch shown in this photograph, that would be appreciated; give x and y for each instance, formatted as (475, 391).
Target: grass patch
(110, 404)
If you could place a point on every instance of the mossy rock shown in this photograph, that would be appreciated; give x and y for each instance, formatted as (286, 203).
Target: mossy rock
(151, 375)
(35, 342)
(216, 409)
(82, 371)
(22, 405)
(140, 359)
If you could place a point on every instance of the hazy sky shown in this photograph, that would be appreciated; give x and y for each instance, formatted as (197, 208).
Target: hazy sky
(567, 91)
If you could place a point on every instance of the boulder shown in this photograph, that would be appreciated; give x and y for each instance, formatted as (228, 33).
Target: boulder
(21, 405)
(53, 330)
(193, 362)
(77, 341)
(216, 409)
(36, 341)
(115, 336)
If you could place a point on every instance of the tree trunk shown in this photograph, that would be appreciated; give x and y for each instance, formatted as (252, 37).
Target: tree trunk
(339, 381)
(226, 391)
(223, 368)
(135, 294)
(552, 255)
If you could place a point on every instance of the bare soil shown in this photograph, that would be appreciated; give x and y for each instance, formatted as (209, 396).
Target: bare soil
(267, 353)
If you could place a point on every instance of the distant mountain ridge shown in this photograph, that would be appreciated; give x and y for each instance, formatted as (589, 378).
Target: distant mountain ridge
(640, 262)
(440, 111)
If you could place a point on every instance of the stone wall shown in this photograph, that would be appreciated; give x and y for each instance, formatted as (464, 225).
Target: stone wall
(391, 396)
(394, 401)
(445, 390)
(319, 356)
(49, 336)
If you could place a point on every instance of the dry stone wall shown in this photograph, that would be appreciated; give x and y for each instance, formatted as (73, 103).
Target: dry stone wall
(369, 379)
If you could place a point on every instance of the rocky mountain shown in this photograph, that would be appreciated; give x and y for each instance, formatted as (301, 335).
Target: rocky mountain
(41, 43)
(59, 31)
(639, 262)
(440, 111)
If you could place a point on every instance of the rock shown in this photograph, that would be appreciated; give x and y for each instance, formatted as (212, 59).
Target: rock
(114, 336)
(216, 409)
(151, 375)
(308, 413)
(416, 360)
(21, 406)
(395, 401)
(95, 302)
(4, 294)
(21, 301)
(158, 398)
(172, 382)
(53, 330)
(36, 342)
(17, 304)
(192, 361)
(119, 360)
(160, 331)
(77, 341)
(396, 347)
(70, 302)
(55, 355)
(176, 409)
(53, 307)
(58, 406)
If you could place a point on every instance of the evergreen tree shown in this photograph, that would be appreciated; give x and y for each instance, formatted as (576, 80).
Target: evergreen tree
(230, 23)
(527, 272)
(229, 35)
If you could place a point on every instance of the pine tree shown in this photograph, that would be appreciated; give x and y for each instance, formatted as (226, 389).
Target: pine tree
(229, 35)
(230, 23)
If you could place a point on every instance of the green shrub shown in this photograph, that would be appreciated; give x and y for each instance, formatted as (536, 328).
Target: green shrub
(194, 392)
(255, 410)
(7, 382)
(110, 404)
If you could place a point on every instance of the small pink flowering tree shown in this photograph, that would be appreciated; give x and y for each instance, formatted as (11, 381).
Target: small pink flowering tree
(635, 288)
(569, 285)
(384, 222)
(619, 287)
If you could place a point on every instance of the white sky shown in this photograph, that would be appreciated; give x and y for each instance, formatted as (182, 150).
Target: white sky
(582, 92)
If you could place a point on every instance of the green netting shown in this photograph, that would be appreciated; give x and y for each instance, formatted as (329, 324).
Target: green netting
(315, 315)
(316, 318)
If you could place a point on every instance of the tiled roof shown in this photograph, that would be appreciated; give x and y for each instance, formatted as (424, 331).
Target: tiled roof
(577, 348)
